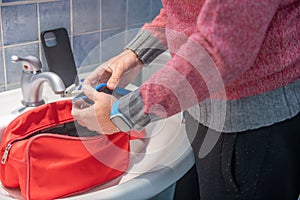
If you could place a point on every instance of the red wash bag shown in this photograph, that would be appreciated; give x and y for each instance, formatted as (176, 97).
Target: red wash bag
(44, 155)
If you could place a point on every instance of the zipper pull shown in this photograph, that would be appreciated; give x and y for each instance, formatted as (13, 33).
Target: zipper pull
(5, 154)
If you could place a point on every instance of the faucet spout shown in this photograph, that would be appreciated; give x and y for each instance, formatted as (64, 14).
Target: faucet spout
(32, 87)
(33, 78)
(53, 79)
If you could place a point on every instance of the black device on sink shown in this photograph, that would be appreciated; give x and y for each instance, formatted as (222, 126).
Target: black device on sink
(59, 56)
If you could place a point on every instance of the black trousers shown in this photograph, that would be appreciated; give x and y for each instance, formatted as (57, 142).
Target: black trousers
(259, 164)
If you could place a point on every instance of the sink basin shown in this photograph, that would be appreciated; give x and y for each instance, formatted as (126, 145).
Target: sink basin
(156, 162)
(10, 104)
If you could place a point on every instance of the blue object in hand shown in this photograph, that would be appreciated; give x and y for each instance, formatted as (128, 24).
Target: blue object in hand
(102, 87)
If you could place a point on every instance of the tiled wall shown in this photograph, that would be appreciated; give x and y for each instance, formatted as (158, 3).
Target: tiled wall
(88, 22)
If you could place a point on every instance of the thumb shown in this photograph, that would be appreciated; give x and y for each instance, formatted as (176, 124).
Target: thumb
(89, 91)
(115, 78)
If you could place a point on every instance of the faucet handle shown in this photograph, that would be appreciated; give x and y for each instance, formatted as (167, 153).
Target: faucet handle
(30, 63)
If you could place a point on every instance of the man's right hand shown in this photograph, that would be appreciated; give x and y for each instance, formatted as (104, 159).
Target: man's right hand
(117, 71)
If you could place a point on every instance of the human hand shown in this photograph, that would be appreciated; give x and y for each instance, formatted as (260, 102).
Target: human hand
(96, 117)
(117, 71)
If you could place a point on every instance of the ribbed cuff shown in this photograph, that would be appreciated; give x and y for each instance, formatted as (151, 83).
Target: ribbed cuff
(146, 46)
(248, 113)
(131, 106)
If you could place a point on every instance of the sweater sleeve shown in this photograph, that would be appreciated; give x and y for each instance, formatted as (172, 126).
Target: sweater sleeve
(225, 44)
(150, 41)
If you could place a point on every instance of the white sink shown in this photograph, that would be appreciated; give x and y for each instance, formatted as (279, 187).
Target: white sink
(156, 163)
(10, 104)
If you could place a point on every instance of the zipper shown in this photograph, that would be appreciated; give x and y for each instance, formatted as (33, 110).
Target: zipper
(8, 147)
(5, 154)
(38, 134)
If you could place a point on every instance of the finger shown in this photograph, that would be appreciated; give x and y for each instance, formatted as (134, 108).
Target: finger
(81, 123)
(89, 91)
(78, 120)
(96, 75)
(89, 81)
(75, 113)
(92, 79)
(79, 112)
(115, 78)
(103, 78)
(108, 69)
(82, 116)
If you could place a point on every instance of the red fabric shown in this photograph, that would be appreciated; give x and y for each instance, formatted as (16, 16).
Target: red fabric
(48, 166)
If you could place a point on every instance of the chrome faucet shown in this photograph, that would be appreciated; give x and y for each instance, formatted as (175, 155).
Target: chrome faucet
(33, 78)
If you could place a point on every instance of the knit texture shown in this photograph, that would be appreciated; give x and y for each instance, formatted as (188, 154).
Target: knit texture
(254, 47)
(146, 46)
(232, 116)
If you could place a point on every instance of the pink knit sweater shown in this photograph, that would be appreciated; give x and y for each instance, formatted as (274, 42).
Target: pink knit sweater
(255, 45)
